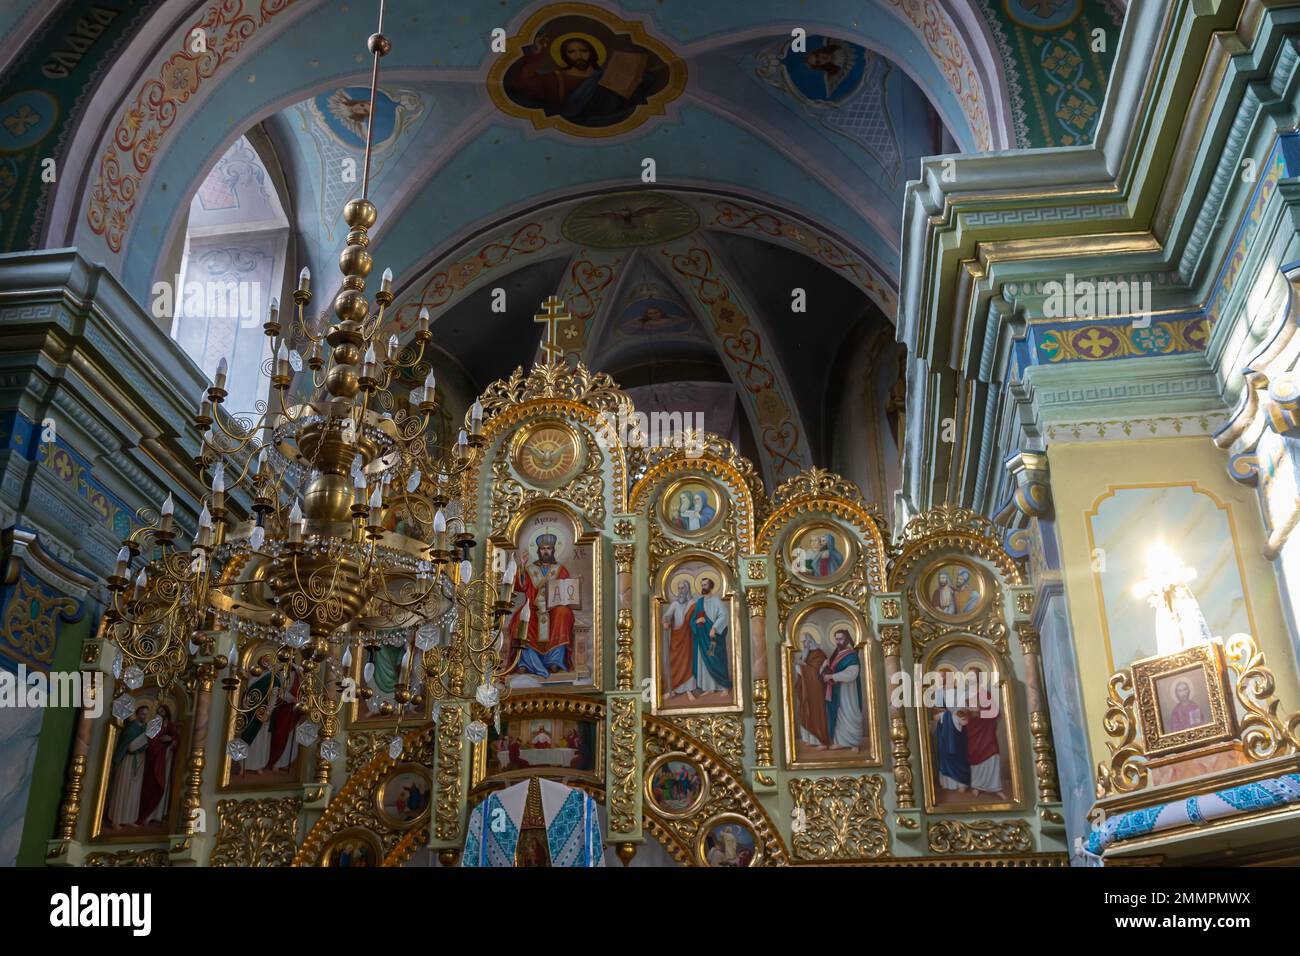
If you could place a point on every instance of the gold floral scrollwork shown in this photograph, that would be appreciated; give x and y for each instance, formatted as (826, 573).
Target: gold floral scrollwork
(1040, 729)
(623, 789)
(256, 832)
(889, 608)
(1024, 602)
(624, 528)
(623, 557)
(756, 600)
(891, 639)
(980, 836)
(1127, 768)
(624, 665)
(757, 570)
(1029, 639)
(1264, 733)
(902, 753)
(724, 734)
(153, 857)
(363, 746)
(447, 800)
(839, 818)
(762, 723)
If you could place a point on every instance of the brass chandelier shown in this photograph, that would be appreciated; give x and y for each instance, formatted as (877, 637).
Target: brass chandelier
(317, 566)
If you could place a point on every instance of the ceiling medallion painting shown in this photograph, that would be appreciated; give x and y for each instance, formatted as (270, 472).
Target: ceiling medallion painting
(580, 69)
(622, 220)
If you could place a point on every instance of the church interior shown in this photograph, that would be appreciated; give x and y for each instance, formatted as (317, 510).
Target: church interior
(639, 433)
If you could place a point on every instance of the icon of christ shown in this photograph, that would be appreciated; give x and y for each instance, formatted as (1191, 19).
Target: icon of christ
(540, 636)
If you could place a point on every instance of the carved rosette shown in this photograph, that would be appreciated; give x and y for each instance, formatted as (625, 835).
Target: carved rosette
(839, 818)
(256, 832)
(623, 787)
(980, 836)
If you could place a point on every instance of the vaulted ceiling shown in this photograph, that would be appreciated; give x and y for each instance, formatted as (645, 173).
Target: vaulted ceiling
(736, 153)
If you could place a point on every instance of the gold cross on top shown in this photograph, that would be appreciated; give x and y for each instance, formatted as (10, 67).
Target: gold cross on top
(553, 316)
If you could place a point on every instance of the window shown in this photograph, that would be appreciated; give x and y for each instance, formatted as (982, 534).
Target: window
(232, 267)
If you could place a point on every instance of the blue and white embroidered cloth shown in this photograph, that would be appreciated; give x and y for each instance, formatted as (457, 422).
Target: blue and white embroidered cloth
(1260, 795)
(572, 827)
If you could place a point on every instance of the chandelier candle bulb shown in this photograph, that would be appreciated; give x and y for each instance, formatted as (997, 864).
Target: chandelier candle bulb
(272, 325)
(123, 564)
(283, 373)
(223, 368)
(166, 520)
(386, 281)
(141, 582)
(422, 327)
(304, 280)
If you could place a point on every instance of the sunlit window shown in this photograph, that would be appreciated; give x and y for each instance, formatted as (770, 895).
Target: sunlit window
(232, 267)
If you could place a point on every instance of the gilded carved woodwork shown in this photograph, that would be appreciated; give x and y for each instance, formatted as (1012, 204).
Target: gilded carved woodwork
(980, 836)
(151, 857)
(839, 818)
(724, 734)
(624, 785)
(585, 490)
(448, 783)
(762, 723)
(1263, 730)
(258, 832)
(904, 790)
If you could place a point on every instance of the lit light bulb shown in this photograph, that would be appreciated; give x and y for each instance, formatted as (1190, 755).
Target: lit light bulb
(295, 514)
(439, 523)
(476, 412)
(424, 317)
(386, 281)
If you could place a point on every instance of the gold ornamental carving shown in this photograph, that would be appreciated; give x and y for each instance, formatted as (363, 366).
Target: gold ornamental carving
(757, 570)
(839, 818)
(756, 601)
(889, 608)
(624, 528)
(927, 630)
(624, 555)
(1264, 732)
(623, 785)
(624, 660)
(256, 832)
(448, 781)
(762, 723)
(980, 836)
(949, 529)
(154, 857)
(585, 490)
(902, 753)
(722, 733)
(891, 639)
(1040, 730)
(363, 746)
(1126, 770)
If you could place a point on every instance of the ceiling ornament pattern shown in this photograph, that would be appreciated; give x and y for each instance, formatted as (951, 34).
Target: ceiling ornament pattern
(741, 347)
(626, 220)
(579, 69)
(336, 123)
(158, 104)
(936, 28)
(841, 85)
(448, 281)
(738, 217)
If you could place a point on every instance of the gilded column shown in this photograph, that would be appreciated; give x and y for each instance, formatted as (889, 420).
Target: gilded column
(193, 799)
(625, 656)
(891, 640)
(70, 809)
(1040, 723)
(756, 599)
